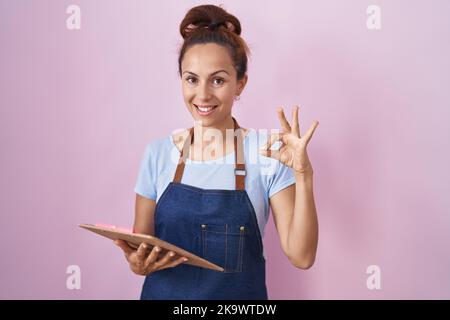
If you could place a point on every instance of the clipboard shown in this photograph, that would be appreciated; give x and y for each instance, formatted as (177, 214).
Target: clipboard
(135, 239)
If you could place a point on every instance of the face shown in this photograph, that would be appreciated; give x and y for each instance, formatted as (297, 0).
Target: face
(209, 83)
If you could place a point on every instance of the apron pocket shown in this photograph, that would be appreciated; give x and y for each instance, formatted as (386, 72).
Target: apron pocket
(223, 245)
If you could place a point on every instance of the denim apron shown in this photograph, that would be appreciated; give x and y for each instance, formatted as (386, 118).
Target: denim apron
(217, 225)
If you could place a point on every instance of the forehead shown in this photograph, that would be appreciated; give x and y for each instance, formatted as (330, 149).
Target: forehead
(207, 58)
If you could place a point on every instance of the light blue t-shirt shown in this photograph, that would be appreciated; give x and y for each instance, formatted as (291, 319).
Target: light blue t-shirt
(265, 176)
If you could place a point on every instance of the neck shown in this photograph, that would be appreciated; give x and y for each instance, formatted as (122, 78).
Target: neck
(225, 124)
(211, 141)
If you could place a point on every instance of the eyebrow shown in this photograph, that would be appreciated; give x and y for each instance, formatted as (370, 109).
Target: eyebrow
(210, 74)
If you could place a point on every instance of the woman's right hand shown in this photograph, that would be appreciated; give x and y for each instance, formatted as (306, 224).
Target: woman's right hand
(143, 263)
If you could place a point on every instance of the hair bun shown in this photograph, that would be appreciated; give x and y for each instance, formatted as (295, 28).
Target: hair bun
(208, 17)
(214, 25)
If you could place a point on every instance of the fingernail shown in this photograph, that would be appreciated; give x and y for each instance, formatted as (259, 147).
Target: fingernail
(185, 259)
(172, 254)
(157, 249)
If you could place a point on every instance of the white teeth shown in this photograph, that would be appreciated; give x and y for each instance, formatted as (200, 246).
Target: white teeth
(205, 109)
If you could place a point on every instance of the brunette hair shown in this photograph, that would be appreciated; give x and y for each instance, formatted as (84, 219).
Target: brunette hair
(212, 24)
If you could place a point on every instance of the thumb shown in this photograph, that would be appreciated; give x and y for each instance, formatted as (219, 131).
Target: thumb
(124, 246)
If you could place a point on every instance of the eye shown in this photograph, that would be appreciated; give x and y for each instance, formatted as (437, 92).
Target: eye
(188, 79)
(219, 79)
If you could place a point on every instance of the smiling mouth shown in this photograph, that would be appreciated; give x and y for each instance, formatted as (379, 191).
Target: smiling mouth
(205, 110)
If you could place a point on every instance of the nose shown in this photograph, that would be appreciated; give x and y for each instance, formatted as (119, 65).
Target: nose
(204, 92)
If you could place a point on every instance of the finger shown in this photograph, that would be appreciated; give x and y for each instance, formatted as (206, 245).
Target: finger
(142, 251)
(153, 256)
(311, 130)
(283, 121)
(167, 257)
(124, 246)
(271, 140)
(174, 263)
(295, 124)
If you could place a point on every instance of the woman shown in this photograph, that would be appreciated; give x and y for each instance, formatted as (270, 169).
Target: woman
(219, 212)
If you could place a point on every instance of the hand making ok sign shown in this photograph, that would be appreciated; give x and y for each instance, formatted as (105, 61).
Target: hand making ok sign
(292, 151)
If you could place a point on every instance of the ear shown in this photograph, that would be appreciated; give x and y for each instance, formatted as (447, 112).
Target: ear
(241, 84)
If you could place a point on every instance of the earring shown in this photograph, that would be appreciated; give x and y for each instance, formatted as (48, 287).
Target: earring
(237, 98)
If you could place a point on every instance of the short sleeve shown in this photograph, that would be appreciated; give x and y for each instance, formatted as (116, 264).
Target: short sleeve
(283, 178)
(146, 180)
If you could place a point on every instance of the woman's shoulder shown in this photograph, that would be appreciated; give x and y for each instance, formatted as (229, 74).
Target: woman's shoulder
(159, 145)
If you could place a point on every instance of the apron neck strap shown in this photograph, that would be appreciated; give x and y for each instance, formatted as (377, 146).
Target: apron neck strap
(239, 160)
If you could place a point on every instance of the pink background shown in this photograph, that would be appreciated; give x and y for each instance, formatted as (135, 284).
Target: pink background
(79, 106)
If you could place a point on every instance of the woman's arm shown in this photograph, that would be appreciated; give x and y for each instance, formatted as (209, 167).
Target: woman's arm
(144, 215)
(293, 208)
(141, 261)
(295, 218)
